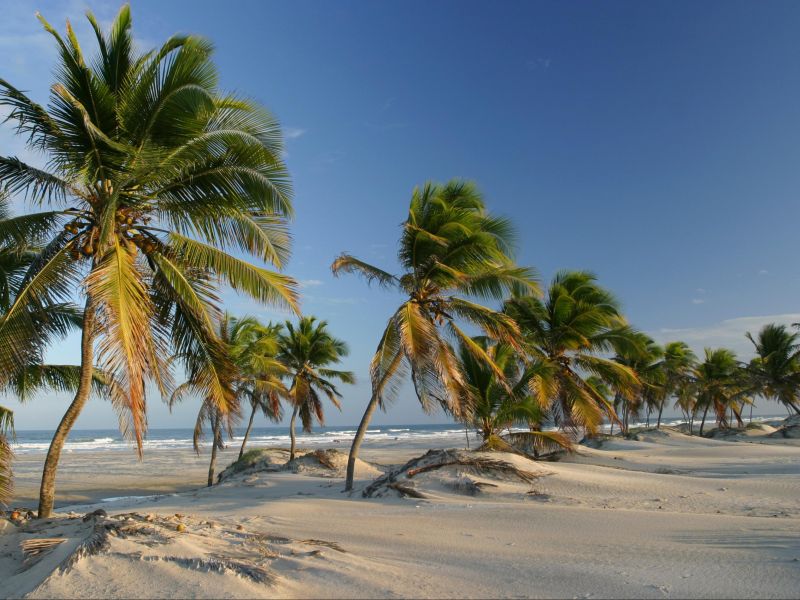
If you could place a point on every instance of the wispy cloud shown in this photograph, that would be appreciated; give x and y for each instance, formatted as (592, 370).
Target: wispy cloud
(763, 272)
(292, 133)
(539, 64)
(307, 283)
(698, 300)
(727, 334)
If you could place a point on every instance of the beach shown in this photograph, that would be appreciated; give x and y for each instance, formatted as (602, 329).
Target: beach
(665, 515)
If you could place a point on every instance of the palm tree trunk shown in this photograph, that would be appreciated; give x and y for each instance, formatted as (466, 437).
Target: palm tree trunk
(751, 412)
(660, 410)
(47, 491)
(247, 433)
(466, 434)
(359, 437)
(648, 417)
(213, 463)
(703, 422)
(611, 431)
(291, 433)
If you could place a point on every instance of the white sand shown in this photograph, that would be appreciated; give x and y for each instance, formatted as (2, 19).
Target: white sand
(669, 516)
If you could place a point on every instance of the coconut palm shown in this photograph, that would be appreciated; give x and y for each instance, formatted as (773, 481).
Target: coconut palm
(307, 350)
(500, 404)
(719, 386)
(261, 373)
(564, 336)
(775, 371)
(450, 248)
(6, 428)
(676, 366)
(645, 359)
(153, 175)
(253, 376)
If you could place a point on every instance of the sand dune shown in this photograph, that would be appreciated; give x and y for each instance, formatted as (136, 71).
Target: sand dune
(668, 515)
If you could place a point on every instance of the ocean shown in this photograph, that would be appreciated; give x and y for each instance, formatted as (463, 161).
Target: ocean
(37, 441)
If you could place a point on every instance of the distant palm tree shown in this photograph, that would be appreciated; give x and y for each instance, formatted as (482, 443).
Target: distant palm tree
(306, 351)
(260, 382)
(677, 366)
(500, 404)
(775, 371)
(565, 336)
(252, 372)
(645, 359)
(153, 176)
(719, 386)
(450, 247)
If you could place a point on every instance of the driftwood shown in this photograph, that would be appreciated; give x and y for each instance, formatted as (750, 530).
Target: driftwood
(437, 459)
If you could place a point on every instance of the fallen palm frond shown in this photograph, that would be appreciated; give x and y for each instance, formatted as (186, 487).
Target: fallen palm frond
(331, 545)
(96, 543)
(33, 550)
(218, 565)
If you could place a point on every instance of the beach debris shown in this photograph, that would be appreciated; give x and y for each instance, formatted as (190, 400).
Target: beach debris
(34, 549)
(94, 514)
(228, 548)
(460, 471)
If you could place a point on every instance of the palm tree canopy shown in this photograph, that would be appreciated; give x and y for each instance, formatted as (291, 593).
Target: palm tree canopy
(153, 175)
(719, 383)
(501, 403)
(775, 371)
(564, 336)
(307, 350)
(450, 249)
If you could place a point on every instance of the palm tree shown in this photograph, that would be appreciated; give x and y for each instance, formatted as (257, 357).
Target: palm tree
(307, 351)
(153, 175)
(6, 455)
(26, 375)
(252, 375)
(677, 365)
(775, 371)
(564, 336)
(261, 373)
(645, 359)
(450, 246)
(500, 404)
(719, 386)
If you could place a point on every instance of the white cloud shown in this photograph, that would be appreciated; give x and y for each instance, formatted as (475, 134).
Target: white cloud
(307, 283)
(763, 272)
(292, 133)
(728, 333)
(698, 300)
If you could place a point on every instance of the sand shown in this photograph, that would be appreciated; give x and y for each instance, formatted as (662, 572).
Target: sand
(663, 516)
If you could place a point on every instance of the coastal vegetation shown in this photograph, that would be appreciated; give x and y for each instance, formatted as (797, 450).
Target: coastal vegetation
(153, 176)
(306, 352)
(157, 182)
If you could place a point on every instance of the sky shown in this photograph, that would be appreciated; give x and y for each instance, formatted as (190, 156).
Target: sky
(654, 143)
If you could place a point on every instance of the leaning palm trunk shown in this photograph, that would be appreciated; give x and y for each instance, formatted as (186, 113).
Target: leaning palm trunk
(703, 422)
(247, 433)
(217, 442)
(291, 434)
(359, 437)
(47, 491)
(660, 411)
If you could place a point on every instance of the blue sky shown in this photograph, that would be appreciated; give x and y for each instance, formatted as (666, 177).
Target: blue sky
(657, 144)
